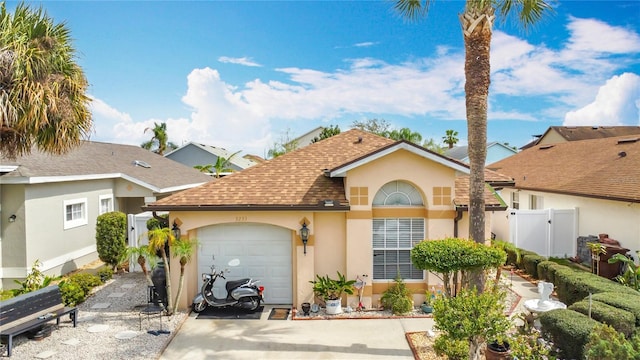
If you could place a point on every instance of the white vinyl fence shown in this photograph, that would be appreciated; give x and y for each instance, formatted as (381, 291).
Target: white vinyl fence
(548, 232)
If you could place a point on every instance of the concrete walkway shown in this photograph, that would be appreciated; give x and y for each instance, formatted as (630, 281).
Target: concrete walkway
(307, 339)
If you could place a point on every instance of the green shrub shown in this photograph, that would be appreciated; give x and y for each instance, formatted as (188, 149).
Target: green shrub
(397, 297)
(111, 235)
(621, 301)
(453, 349)
(569, 330)
(5, 294)
(621, 320)
(606, 343)
(523, 253)
(105, 273)
(543, 270)
(35, 280)
(574, 285)
(531, 262)
(85, 281)
(154, 223)
(72, 293)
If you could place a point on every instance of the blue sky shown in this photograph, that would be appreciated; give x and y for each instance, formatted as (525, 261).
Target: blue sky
(240, 74)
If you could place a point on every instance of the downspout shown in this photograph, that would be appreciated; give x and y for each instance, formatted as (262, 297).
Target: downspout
(455, 222)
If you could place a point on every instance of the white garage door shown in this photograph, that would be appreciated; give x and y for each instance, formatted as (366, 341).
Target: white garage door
(264, 252)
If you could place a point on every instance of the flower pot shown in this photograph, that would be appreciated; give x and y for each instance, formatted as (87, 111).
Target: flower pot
(427, 309)
(333, 307)
(497, 351)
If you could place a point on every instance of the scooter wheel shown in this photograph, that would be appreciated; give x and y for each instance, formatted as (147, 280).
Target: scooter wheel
(199, 307)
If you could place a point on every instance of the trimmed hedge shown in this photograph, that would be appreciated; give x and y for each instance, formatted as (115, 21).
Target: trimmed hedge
(523, 253)
(512, 257)
(569, 330)
(621, 320)
(545, 271)
(531, 262)
(621, 301)
(574, 285)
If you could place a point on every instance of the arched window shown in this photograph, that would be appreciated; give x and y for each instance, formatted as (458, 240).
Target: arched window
(393, 238)
(398, 193)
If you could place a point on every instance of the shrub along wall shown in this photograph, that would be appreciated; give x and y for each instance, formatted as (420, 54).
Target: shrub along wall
(531, 264)
(569, 330)
(621, 301)
(574, 285)
(547, 269)
(621, 320)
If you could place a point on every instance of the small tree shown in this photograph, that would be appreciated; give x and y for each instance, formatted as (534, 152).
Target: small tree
(452, 259)
(158, 239)
(606, 343)
(326, 133)
(183, 249)
(111, 236)
(473, 317)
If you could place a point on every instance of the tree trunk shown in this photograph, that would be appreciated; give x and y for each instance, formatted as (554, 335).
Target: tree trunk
(168, 277)
(477, 26)
(475, 349)
(180, 285)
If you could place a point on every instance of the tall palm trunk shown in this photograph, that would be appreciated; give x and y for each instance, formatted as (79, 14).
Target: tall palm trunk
(477, 27)
(183, 263)
(167, 275)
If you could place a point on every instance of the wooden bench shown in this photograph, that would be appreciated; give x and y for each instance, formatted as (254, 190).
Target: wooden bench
(31, 310)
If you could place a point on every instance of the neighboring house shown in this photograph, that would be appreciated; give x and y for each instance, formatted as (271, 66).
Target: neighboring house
(366, 200)
(600, 178)
(307, 138)
(495, 152)
(193, 153)
(50, 203)
(557, 134)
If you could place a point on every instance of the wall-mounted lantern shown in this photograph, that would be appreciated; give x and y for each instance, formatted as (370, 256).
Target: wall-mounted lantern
(304, 235)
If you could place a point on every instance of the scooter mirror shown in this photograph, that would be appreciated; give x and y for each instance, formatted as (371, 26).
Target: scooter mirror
(234, 262)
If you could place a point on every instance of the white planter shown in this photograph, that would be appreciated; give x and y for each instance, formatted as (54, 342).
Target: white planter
(333, 307)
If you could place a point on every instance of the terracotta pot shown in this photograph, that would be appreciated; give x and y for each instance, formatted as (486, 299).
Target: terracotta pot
(497, 351)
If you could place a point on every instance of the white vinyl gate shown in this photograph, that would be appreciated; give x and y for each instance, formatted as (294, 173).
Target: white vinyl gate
(548, 232)
(137, 234)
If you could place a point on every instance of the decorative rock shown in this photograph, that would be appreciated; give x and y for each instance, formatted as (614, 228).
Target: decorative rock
(98, 328)
(103, 305)
(45, 354)
(127, 334)
(72, 342)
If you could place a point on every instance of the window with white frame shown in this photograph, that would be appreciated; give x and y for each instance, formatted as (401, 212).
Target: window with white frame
(393, 240)
(536, 202)
(106, 204)
(75, 213)
(515, 200)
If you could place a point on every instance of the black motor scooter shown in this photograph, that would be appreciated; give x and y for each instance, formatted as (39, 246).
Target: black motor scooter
(243, 293)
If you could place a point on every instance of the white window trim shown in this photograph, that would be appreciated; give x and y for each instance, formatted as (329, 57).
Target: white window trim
(70, 224)
(403, 249)
(104, 197)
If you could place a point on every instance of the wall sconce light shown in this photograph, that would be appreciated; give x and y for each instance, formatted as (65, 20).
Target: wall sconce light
(12, 218)
(304, 235)
(176, 231)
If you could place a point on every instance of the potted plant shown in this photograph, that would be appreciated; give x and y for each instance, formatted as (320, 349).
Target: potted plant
(331, 290)
(427, 305)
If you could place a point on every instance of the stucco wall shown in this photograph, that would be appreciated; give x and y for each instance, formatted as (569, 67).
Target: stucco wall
(12, 234)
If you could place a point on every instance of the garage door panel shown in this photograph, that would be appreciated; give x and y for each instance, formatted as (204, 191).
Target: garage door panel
(264, 252)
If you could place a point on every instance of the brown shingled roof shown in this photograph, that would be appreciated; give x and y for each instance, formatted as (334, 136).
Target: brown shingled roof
(607, 168)
(295, 180)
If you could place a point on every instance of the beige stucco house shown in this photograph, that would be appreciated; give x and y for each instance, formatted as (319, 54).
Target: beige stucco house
(49, 204)
(366, 200)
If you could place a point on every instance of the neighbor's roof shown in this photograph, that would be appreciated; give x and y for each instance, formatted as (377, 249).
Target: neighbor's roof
(296, 180)
(607, 168)
(239, 161)
(97, 160)
(576, 133)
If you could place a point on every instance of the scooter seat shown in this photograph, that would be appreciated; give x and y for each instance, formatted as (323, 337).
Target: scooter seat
(235, 283)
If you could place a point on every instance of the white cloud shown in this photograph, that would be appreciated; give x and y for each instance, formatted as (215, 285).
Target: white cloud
(239, 61)
(617, 103)
(365, 44)
(244, 116)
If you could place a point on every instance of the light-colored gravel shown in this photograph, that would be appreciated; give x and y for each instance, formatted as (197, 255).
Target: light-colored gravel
(118, 334)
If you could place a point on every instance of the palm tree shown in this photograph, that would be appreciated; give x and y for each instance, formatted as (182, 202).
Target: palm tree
(160, 140)
(141, 253)
(224, 164)
(43, 99)
(207, 169)
(405, 134)
(477, 26)
(450, 138)
(159, 238)
(183, 249)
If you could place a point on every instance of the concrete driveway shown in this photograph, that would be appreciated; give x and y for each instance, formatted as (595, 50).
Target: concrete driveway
(294, 339)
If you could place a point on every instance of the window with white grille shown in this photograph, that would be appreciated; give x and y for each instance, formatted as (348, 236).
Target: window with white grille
(393, 240)
(75, 213)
